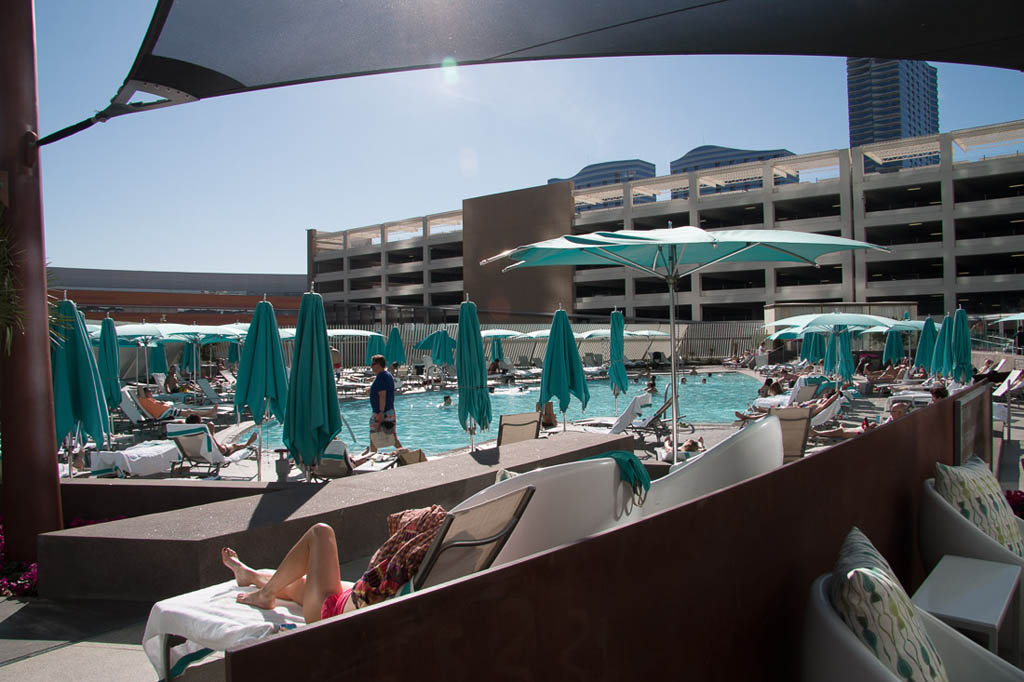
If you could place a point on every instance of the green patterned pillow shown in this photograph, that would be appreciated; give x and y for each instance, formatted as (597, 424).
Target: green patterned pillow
(975, 492)
(870, 600)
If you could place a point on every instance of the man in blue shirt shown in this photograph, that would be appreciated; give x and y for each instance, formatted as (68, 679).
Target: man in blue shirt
(382, 406)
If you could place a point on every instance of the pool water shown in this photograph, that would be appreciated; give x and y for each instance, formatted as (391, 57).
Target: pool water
(424, 423)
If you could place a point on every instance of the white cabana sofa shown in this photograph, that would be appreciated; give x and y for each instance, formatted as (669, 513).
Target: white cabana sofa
(831, 652)
(575, 500)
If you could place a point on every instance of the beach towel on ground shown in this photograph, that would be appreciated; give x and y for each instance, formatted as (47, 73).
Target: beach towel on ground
(411, 533)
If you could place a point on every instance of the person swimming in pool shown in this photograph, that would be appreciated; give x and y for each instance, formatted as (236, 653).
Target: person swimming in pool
(447, 401)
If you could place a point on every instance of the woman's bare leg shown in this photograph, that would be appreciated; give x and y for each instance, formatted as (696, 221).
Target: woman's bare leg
(314, 556)
(246, 576)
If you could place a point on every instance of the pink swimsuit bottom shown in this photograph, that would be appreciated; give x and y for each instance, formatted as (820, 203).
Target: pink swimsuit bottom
(334, 604)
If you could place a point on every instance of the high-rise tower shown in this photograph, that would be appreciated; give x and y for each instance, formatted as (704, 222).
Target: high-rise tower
(891, 99)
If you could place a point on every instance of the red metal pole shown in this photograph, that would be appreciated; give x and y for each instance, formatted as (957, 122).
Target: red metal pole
(31, 485)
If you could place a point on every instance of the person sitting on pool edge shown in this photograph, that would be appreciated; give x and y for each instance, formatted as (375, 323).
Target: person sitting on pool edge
(382, 405)
(159, 409)
(225, 450)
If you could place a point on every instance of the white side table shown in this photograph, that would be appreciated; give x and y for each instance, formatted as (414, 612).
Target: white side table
(972, 594)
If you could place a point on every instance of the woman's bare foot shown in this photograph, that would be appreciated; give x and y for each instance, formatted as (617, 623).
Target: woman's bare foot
(252, 439)
(257, 598)
(244, 575)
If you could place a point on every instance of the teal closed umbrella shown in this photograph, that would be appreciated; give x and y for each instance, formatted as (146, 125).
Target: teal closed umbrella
(110, 364)
(844, 361)
(942, 354)
(813, 347)
(233, 353)
(563, 376)
(926, 346)
(261, 382)
(497, 352)
(893, 347)
(960, 369)
(616, 365)
(830, 354)
(394, 350)
(312, 416)
(157, 359)
(474, 400)
(188, 359)
(374, 346)
(78, 398)
(440, 345)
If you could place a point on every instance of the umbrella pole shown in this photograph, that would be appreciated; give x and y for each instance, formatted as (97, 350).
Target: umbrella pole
(672, 359)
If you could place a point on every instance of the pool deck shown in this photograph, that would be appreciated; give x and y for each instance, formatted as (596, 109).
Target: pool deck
(44, 639)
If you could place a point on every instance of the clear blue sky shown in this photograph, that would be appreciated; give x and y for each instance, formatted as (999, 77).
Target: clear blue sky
(231, 184)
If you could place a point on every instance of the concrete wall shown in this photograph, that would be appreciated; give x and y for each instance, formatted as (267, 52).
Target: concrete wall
(497, 222)
(711, 590)
(179, 551)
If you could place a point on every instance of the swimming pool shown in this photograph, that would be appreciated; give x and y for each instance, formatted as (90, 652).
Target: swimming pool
(423, 423)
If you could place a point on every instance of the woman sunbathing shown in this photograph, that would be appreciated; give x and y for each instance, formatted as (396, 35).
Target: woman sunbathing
(224, 449)
(896, 410)
(817, 405)
(310, 575)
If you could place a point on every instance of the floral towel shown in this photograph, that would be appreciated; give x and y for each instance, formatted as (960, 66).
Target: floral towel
(396, 562)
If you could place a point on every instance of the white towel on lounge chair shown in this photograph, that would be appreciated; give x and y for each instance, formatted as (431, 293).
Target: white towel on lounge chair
(220, 621)
(145, 459)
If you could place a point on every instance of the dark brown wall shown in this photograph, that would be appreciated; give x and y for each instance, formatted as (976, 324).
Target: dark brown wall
(711, 590)
(494, 223)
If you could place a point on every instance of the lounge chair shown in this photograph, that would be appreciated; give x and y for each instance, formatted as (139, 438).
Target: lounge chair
(513, 428)
(334, 463)
(228, 376)
(830, 413)
(620, 423)
(135, 414)
(405, 457)
(211, 619)
(211, 395)
(1003, 390)
(831, 651)
(659, 423)
(795, 423)
(197, 447)
(144, 459)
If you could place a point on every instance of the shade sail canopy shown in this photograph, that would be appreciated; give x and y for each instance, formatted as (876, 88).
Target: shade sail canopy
(195, 49)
